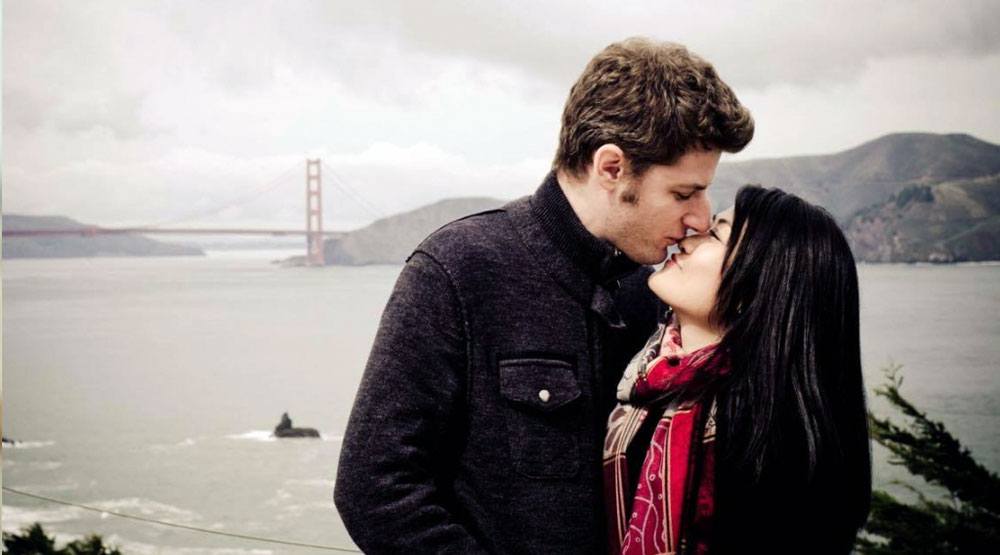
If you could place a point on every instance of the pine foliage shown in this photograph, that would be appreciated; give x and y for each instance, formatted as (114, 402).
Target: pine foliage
(34, 541)
(965, 520)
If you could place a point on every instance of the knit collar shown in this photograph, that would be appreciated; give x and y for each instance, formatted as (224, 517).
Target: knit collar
(599, 259)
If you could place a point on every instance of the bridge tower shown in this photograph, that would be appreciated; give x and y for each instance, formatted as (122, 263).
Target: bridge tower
(314, 214)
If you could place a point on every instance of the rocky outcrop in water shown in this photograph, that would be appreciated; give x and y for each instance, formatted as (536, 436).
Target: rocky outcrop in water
(285, 429)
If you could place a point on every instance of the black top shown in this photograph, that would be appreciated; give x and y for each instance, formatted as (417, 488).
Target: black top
(479, 423)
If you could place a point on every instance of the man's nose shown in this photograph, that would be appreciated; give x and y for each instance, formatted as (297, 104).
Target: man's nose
(699, 218)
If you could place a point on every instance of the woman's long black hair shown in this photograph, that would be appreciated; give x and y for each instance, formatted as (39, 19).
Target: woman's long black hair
(793, 463)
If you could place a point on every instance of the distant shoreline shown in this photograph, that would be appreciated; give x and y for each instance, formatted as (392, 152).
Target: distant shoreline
(291, 258)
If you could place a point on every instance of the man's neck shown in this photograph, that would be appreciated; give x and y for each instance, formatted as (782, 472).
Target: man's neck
(580, 199)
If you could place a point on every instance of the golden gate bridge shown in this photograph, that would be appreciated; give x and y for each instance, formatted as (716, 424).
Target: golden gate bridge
(313, 230)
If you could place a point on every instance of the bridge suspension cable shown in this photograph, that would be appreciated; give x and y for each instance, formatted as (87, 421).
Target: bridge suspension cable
(357, 197)
(239, 201)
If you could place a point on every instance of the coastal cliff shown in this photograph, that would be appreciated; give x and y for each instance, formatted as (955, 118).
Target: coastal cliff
(955, 221)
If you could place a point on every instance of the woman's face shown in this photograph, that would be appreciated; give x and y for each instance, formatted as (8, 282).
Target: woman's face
(689, 280)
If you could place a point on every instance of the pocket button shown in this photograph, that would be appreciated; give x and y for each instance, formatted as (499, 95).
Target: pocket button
(544, 395)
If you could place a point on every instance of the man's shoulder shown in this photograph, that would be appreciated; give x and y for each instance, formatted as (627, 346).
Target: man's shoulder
(474, 238)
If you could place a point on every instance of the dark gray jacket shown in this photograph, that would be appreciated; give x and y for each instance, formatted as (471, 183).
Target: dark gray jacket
(479, 422)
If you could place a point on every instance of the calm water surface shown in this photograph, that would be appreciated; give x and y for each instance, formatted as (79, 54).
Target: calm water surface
(149, 386)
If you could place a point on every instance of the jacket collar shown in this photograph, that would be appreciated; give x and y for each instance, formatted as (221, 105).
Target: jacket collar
(587, 267)
(599, 259)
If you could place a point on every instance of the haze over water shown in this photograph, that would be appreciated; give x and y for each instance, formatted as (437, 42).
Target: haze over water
(150, 385)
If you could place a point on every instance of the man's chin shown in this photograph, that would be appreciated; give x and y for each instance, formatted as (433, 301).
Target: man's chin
(651, 259)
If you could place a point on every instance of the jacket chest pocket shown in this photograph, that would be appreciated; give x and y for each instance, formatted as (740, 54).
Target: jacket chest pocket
(542, 417)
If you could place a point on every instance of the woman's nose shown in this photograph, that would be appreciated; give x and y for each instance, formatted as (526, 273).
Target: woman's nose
(691, 242)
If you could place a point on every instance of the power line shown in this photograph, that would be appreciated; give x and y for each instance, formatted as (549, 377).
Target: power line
(183, 526)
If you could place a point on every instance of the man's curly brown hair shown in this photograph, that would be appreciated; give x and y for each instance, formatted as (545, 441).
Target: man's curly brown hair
(656, 101)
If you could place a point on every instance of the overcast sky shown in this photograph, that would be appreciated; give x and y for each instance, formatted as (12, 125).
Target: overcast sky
(123, 113)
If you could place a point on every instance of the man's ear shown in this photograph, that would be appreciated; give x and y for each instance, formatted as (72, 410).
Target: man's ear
(608, 166)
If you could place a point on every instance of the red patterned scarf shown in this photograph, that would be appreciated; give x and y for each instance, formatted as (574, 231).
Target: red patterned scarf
(660, 515)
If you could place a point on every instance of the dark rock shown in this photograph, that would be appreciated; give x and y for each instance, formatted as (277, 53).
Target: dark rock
(285, 429)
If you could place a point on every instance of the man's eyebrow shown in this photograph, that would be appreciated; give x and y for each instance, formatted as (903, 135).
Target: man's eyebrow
(695, 186)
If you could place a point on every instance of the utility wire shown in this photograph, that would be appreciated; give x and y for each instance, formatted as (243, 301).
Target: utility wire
(184, 526)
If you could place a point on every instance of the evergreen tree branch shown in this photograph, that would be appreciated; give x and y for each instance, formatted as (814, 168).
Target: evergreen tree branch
(966, 522)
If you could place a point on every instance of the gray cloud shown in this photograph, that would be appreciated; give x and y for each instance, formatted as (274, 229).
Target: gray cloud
(154, 105)
(119, 114)
(24, 109)
(385, 49)
(758, 44)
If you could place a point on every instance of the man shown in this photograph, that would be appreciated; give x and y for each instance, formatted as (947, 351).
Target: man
(479, 423)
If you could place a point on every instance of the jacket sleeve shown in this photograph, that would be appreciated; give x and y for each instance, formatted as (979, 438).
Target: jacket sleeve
(389, 490)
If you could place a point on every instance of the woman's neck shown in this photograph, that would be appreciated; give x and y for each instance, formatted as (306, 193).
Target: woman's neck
(696, 333)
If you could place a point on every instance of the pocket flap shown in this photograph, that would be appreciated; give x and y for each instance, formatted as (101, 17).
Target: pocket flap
(541, 383)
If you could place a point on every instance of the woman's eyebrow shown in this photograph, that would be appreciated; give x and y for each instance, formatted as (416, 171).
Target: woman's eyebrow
(716, 219)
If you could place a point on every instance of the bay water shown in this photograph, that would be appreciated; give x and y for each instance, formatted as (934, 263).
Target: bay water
(150, 386)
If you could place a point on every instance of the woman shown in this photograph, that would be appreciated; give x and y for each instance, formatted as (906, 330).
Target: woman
(742, 424)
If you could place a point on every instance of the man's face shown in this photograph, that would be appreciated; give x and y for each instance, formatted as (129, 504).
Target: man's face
(689, 282)
(665, 203)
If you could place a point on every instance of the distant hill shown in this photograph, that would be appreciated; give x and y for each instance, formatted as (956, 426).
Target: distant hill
(953, 221)
(392, 239)
(868, 174)
(904, 197)
(64, 246)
